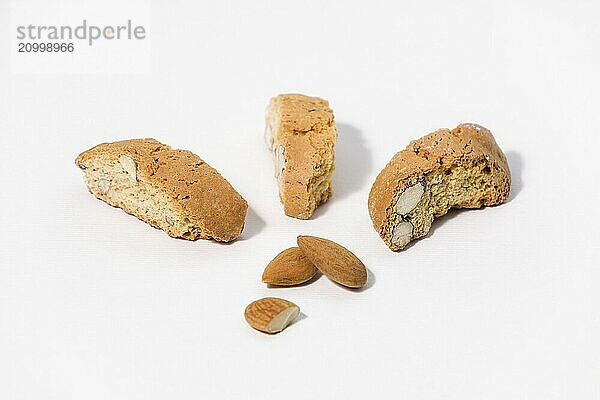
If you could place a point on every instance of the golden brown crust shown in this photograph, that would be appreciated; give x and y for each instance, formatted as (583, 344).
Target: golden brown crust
(303, 114)
(306, 130)
(467, 144)
(200, 192)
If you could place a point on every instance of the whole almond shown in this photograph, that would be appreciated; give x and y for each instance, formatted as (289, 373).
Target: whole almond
(288, 268)
(270, 314)
(334, 261)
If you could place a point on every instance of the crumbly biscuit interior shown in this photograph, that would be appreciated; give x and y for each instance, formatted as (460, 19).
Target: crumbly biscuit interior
(319, 187)
(108, 179)
(458, 186)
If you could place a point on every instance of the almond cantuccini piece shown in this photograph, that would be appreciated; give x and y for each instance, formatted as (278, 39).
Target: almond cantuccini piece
(172, 190)
(459, 168)
(301, 134)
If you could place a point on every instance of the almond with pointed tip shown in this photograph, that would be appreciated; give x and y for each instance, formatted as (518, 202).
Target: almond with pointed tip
(334, 261)
(271, 314)
(290, 267)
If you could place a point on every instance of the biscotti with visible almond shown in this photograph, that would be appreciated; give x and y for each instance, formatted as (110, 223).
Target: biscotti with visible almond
(459, 168)
(173, 190)
(301, 134)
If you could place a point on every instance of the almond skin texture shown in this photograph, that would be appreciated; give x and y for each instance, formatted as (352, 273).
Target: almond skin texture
(271, 314)
(288, 268)
(334, 261)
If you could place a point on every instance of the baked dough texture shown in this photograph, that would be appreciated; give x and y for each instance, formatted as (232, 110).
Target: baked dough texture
(459, 168)
(300, 132)
(173, 190)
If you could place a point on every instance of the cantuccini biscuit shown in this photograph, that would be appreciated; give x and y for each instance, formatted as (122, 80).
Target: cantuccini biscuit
(173, 190)
(300, 132)
(459, 168)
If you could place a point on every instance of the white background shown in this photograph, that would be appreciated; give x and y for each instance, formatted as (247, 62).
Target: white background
(500, 303)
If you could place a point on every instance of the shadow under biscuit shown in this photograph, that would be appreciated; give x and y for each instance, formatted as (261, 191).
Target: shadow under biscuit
(253, 226)
(516, 164)
(353, 161)
(353, 165)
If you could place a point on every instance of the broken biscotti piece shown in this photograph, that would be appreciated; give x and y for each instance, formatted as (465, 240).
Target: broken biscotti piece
(301, 134)
(462, 168)
(173, 190)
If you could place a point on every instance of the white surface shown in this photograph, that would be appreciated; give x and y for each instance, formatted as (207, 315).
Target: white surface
(500, 303)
